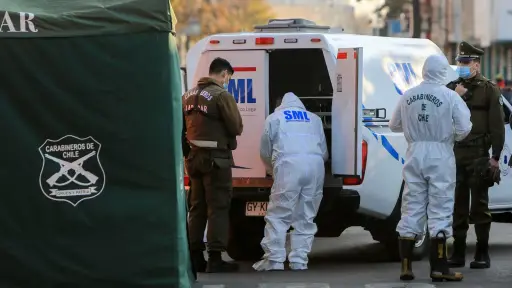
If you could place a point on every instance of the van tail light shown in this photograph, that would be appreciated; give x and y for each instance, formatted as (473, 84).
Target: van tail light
(316, 40)
(357, 180)
(264, 41)
(214, 41)
(186, 180)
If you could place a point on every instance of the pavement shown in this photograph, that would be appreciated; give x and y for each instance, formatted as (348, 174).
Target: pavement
(354, 260)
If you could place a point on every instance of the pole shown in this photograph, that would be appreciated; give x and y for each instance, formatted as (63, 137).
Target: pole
(430, 11)
(416, 18)
(447, 5)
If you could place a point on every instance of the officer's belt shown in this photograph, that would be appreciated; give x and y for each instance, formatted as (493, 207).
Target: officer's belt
(479, 141)
(206, 144)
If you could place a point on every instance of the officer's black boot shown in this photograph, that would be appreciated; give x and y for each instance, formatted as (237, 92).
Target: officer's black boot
(198, 261)
(406, 247)
(482, 259)
(439, 270)
(217, 265)
(458, 258)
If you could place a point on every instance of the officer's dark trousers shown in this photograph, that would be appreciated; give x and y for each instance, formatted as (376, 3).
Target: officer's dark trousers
(468, 185)
(210, 198)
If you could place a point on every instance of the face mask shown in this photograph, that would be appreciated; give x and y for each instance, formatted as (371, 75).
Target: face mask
(226, 83)
(463, 71)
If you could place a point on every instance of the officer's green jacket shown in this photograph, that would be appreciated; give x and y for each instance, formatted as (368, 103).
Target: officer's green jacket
(485, 103)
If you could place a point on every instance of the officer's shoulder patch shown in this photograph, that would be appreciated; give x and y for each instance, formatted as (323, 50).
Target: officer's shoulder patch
(501, 100)
(489, 83)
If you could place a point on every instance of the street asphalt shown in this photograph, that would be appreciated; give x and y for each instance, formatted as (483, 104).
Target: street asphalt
(354, 260)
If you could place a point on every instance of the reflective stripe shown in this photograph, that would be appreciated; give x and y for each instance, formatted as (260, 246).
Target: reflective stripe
(204, 144)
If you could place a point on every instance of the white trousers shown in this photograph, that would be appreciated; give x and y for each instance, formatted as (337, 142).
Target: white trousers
(294, 201)
(428, 194)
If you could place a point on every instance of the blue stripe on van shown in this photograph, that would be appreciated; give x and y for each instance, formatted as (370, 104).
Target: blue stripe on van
(384, 141)
(389, 147)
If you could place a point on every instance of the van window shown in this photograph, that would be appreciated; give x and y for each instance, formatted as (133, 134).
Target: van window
(303, 72)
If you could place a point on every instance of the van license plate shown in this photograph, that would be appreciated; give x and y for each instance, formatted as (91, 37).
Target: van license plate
(255, 209)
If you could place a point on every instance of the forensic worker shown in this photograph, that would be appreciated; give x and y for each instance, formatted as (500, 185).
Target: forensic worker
(483, 99)
(212, 124)
(432, 117)
(294, 150)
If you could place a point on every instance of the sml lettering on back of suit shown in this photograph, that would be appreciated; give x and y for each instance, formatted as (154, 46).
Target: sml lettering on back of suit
(296, 116)
(241, 89)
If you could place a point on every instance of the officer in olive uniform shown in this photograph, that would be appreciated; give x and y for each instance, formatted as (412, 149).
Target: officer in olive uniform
(212, 124)
(484, 101)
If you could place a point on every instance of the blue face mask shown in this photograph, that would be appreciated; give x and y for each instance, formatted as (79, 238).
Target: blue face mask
(463, 71)
(225, 86)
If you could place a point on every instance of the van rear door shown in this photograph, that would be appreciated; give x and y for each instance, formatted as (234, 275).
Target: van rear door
(347, 114)
(249, 87)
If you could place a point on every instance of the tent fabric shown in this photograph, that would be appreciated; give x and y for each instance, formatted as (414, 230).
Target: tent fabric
(71, 18)
(92, 169)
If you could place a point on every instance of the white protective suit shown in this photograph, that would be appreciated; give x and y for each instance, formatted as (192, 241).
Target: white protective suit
(294, 148)
(432, 117)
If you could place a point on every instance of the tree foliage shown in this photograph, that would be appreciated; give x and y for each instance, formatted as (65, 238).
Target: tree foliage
(394, 8)
(221, 16)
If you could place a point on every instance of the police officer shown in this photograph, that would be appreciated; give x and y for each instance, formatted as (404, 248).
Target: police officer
(484, 101)
(212, 124)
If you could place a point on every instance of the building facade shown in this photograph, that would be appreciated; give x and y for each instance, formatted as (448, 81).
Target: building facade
(485, 24)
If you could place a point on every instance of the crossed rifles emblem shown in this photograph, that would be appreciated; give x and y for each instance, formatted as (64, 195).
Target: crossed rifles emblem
(75, 166)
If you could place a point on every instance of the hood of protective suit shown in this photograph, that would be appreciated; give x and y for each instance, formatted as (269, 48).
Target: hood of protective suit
(435, 69)
(290, 100)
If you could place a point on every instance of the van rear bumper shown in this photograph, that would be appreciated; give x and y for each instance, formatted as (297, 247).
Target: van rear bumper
(344, 201)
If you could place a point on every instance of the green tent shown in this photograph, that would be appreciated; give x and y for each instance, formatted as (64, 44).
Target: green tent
(90, 114)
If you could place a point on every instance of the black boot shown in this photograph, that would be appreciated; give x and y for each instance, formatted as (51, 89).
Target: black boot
(217, 265)
(439, 270)
(198, 261)
(406, 247)
(458, 258)
(482, 259)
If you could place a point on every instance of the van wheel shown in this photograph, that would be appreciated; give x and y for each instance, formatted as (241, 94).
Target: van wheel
(244, 239)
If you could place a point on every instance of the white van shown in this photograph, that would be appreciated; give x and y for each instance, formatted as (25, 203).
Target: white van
(353, 83)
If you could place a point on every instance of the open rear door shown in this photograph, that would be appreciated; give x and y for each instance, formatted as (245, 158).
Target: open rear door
(347, 114)
(249, 87)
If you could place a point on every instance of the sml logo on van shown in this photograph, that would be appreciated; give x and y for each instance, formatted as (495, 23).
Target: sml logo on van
(296, 116)
(241, 89)
(403, 76)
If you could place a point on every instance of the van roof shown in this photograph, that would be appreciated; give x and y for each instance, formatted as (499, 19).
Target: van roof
(328, 41)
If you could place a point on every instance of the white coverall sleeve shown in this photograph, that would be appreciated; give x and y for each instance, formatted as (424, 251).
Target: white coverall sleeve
(395, 124)
(266, 146)
(323, 143)
(461, 118)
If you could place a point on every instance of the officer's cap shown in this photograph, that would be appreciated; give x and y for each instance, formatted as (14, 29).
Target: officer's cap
(468, 52)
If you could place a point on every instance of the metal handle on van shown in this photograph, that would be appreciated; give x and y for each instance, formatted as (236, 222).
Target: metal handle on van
(379, 113)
